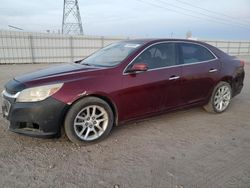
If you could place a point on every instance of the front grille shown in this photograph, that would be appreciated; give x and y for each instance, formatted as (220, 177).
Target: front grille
(6, 107)
(10, 97)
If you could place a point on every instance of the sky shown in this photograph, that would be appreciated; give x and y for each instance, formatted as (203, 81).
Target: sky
(206, 19)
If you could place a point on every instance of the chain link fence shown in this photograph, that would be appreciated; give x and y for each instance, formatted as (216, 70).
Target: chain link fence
(25, 47)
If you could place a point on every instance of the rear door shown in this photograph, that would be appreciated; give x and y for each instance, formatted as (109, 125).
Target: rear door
(156, 89)
(200, 70)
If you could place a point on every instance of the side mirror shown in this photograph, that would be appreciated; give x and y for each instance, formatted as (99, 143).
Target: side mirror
(138, 67)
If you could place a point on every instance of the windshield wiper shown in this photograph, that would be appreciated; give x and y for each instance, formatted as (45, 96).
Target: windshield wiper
(87, 64)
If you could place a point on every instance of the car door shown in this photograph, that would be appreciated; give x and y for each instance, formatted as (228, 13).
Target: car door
(200, 70)
(155, 89)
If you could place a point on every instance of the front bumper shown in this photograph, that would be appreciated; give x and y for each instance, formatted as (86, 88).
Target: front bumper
(38, 119)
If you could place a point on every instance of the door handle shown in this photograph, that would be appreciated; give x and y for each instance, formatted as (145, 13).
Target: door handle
(213, 70)
(174, 78)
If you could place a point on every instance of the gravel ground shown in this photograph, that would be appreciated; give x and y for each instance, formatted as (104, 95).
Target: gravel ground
(184, 149)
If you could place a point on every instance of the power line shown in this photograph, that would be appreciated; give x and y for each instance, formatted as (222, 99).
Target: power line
(14, 27)
(222, 20)
(191, 15)
(211, 11)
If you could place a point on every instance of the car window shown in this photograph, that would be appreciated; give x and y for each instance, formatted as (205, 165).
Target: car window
(159, 55)
(111, 55)
(193, 53)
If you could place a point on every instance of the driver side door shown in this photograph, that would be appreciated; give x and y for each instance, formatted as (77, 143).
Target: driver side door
(154, 90)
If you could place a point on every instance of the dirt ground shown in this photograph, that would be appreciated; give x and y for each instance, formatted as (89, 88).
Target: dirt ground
(184, 149)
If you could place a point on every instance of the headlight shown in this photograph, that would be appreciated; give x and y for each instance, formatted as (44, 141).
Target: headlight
(38, 93)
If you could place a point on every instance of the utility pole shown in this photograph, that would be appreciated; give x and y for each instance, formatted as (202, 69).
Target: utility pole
(71, 23)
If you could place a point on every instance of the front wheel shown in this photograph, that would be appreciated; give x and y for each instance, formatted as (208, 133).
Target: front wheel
(88, 120)
(220, 99)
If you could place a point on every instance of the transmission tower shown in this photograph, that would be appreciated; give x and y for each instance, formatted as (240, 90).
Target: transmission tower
(71, 23)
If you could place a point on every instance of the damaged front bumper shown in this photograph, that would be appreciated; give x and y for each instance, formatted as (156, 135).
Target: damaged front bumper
(38, 119)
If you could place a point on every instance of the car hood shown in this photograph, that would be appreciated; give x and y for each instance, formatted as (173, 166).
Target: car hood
(56, 73)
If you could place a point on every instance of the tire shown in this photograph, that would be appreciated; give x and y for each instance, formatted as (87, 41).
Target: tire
(222, 94)
(89, 120)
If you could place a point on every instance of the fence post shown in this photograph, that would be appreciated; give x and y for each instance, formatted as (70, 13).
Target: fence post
(249, 49)
(228, 46)
(239, 48)
(102, 41)
(31, 48)
(71, 48)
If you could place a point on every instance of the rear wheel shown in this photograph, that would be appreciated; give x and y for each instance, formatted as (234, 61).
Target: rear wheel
(88, 120)
(220, 98)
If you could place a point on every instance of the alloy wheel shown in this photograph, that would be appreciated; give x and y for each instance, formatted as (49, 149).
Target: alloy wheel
(222, 98)
(91, 122)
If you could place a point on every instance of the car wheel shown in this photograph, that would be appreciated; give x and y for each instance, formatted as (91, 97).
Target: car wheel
(88, 120)
(220, 99)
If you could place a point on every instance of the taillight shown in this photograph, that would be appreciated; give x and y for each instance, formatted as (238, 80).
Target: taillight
(242, 63)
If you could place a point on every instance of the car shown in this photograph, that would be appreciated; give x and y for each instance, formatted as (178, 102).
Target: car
(123, 82)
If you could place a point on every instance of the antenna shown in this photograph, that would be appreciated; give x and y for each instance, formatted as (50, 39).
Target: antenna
(71, 23)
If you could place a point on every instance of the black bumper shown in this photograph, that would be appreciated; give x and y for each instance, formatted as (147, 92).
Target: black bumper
(39, 119)
(238, 82)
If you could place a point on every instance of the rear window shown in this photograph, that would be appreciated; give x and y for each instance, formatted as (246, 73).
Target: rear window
(193, 53)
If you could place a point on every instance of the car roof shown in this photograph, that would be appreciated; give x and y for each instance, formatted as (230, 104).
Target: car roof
(145, 41)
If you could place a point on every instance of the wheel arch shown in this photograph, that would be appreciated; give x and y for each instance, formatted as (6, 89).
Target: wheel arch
(209, 107)
(102, 97)
(228, 79)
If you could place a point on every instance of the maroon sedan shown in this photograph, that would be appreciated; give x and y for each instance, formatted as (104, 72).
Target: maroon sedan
(122, 82)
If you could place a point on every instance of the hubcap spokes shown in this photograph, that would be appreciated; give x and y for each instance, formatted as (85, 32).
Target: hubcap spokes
(91, 122)
(222, 98)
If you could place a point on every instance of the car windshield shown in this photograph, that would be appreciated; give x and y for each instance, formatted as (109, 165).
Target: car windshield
(111, 55)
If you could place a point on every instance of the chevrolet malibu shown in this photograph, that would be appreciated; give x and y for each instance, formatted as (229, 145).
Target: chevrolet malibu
(122, 82)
